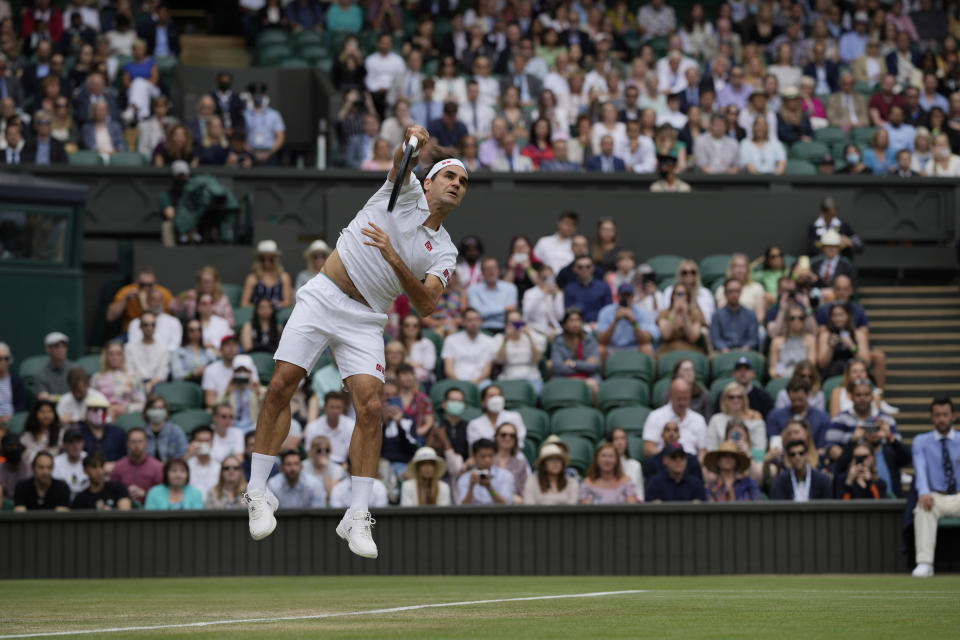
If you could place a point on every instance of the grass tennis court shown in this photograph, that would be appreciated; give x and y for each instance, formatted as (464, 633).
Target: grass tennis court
(712, 607)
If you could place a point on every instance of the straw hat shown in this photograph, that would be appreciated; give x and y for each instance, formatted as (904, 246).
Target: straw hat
(556, 440)
(268, 247)
(727, 447)
(552, 451)
(830, 238)
(426, 454)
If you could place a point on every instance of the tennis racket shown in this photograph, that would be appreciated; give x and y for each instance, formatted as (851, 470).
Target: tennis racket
(408, 154)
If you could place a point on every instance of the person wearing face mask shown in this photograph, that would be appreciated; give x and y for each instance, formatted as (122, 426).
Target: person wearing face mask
(170, 200)
(854, 162)
(98, 436)
(165, 440)
(204, 470)
(494, 414)
(944, 164)
(229, 106)
(72, 406)
(452, 424)
(14, 467)
(266, 131)
(242, 398)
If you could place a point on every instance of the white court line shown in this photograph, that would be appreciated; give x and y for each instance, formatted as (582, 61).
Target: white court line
(319, 616)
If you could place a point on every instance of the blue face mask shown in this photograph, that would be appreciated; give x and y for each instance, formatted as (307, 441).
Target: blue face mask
(455, 407)
(853, 158)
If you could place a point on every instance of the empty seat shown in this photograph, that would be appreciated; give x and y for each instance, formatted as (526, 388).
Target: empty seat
(629, 364)
(775, 385)
(190, 419)
(714, 267)
(180, 395)
(537, 422)
(717, 387)
(809, 151)
(84, 158)
(17, 421)
(264, 363)
(127, 421)
(128, 159)
(621, 392)
(90, 363)
(630, 419)
(564, 392)
(581, 421)
(233, 292)
(30, 365)
(517, 393)
(797, 167)
(581, 452)
(664, 266)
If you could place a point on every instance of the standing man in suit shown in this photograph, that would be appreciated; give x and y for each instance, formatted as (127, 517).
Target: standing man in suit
(160, 33)
(827, 220)
(43, 149)
(902, 61)
(847, 109)
(829, 265)
(229, 106)
(528, 84)
(826, 73)
(799, 481)
(936, 463)
(606, 162)
(9, 85)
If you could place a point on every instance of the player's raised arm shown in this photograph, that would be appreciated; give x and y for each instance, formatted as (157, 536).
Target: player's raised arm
(422, 137)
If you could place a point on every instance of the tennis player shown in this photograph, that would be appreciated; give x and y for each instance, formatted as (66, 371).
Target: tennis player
(378, 256)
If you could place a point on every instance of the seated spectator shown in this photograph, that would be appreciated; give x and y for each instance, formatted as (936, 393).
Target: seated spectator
(793, 346)
(734, 406)
(485, 483)
(447, 131)
(468, 354)
(793, 125)
(700, 399)
(415, 404)
(605, 161)
(631, 467)
(239, 154)
(716, 152)
(148, 360)
(393, 128)
(205, 108)
(115, 382)
(556, 250)
(812, 106)
(688, 273)
(758, 397)
(512, 110)
(839, 342)
(168, 330)
(426, 486)
(510, 459)
(153, 130)
(188, 361)
(549, 484)
(484, 426)
(799, 481)
(519, 349)
(132, 299)
(668, 181)
(675, 483)
(680, 326)
(493, 297)
(178, 146)
(267, 278)
(623, 326)
(638, 151)
(50, 383)
(899, 133)
(261, 333)
(15, 466)
(340, 495)
(904, 163)
(734, 327)
(228, 492)
(103, 134)
(68, 466)
(227, 438)
(316, 256)
(381, 159)
(539, 148)
(333, 425)
(871, 67)
(880, 157)
(944, 163)
(266, 131)
(42, 430)
(122, 36)
(295, 489)
(242, 396)
(770, 271)
(421, 352)
(863, 418)
(731, 485)
(213, 146)
(543, 304)
(165, 440)
(161, 33)
(72, 407)
(605, 481)
(587, 292)
(13, 389)
(468, 154)
(100, 494)
(510, 160)
(214, 329)
(248, 441)
(752, 295)
(624, 270)
(760, 154)
(319, 464)
(693, 427)
(817, 420)
(575, 352)
(42, 148)
(175, 494)
(806, 372)
(204, 470)
(450, 434)
(394, 355)
(841, 398)
(859, 478)
(42, 491)
(63, 127)
(827, 221)
(14, 145)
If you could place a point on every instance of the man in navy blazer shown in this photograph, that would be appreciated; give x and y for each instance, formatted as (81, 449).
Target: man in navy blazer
(799, 481)
(903, 49)
(606, 162)
(820, 64)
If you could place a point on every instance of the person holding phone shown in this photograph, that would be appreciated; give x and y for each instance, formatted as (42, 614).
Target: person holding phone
(861, 481)
(519, 350)
(681, 324)
(625, 326)
(864, 420)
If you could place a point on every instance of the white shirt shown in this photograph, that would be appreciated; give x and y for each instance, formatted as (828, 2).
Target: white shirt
(518, 363)
(216, 330)
(675, 119)
(382, 69)
(469, 356)
(217, 375)
(489, 90)
(746, 118)
(70, 410)
(634, 471)
(339, 437)
(643, 159)
(409, 498)
(541, 313)
(228, 445)
(693, 428)
(554, 251)
(340, 494)
(203, 476)
(670, 81)
(478, 117)
(424, 352)
(619, 135)
(422, 249)
(481, 427)
(934, 170)
(71, 473)
(169, 331)
(147, 361)
(705, 301)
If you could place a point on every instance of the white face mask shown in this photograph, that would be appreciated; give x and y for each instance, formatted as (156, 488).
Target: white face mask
(496, 404)
(943, 152)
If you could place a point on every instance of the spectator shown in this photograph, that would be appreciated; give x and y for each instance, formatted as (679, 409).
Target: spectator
(165, 440)
(242, 395)
(847, 109)
(266, 132)
(935, 455)
(930, 98)
(13, 390)
(161, 33)
(556, 250)
(191, 358)
(509, 459)
(824, 71)
(543, 304)
(15, 468)
(745, 375)
(639, 154)
(900, 135)
(853, 43)
(904, 162)
(469, 270)
(447, 130)
(486, 483)
(316, 256)
(731, 485)
(68, 466)
(510, 159)
(806, 372)
(227, 438)
(208, 281)
(632, 468)
(812, 105)
(214, 148)
(861, 481)
(63, 127)
(716, 153)
(793, 125)
(394, 355)
(218, 375)
(41, 431)
(151, 131)
(736, 92)
(100, 436)
(817, 420)
(468, 154)
(426, 486)
(214, 328)
(493, 297)
(408, 85)
(339, 497)
(295, 489)
(587, 292)
(770, 271)
(43, 149)
(681, 324)
(115, 383)
(72, 407)
(902, 62)
(486, 425)
(333, 425)
(14, 152)
(138, 471)
(205, 109)
(175, 494)
(468, 354)
(863, 418)
(761, 154)
(752, 295)
(944, 162)
(519, 351)
(177, 145)
(395, 126)
(623, 271)
(429, 108)
(605, 161)
(344, 16)
(550, 485)
(453, 427)
(623, 326)
(828, 221)
(700, 399)
(841, 399)
(261, 333)
(415, 404)
(204, 470)
(42, 491)
(922, 150)
(227, 104)
(800, 482)
(839, 342)
(882, 100)
(793, 346)
(100, 494)
(267, 278)
(148, 361)
(421, 352)
(228, 492)
(668, 181)
(734, 327)
(141, 79)
(735, 408)
(675, 483)
(575, 353)
(383, 68)
(131, 300)
(51, 381)
(656, 20)
(539, 149)
(168, 331)
(605, 481)
(521, 267)
(693, 427)
(319, 465)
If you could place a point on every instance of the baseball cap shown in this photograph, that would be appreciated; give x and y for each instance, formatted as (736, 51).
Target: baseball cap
(55, 337)
(625, 289)
(227, 338)
(180, 168)
(861, 16)
(72, 434)
(671, 449)
(743, 361)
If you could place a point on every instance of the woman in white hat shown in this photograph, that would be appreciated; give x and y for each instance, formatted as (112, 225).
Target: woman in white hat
(731, 485)
(551, 484)
(267, 278)
(315, 255)
(425, 487)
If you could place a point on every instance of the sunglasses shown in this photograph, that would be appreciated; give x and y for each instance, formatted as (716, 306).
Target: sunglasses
(797, 453)
(194, 329)
(40, 122)
(411, 324)
(228, 416)
(737, 396)
(775, 255)
(147, 324)
(231, 468)
(688, 272)
(506, 435)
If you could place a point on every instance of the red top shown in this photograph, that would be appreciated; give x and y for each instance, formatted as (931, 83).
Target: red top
(536, 154)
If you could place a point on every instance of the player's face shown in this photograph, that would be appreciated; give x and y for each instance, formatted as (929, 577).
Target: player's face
(448, 186)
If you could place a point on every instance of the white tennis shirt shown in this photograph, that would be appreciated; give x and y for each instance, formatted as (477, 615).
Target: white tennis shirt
(423, 250)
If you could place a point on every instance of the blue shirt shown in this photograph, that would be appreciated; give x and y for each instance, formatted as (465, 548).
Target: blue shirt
(823, 315)
(306, 494)
(139, 69)
(171, 442)
(845, 423)
(490, 303)
(901, 137)
(426, 112)
(852, 45)
(161, 47)
(880, 166)
(623, 334)
(734, 329)
(112, 446)
(447, 137)
(818, 420)
(662, 487)
(43, 152)
(589, 299)
(500, 479)
(159, 498)
(928, 461)
(349, 19)
(263, 127)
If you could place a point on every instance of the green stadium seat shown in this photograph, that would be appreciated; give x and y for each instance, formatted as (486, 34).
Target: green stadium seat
(629, 364)
(31, 365)
(662, 285)
(580, 421)
(717, 387)
(659, 391)
(324, 64)
(537, 422)
(293, 63)
(630, 419)
(622, 392)
(564, 392)
(470, 413)
(313, 53)
(714, 267)
(190, 419)
(233, 292)
(469, 390)
(828, 385)
(581, 452)
(530, 450)
(241, 316)
(667, 360)
(284, 314)
(180, 395)
(84, 159)
(635, 446)
(90, 363)
(518, 393)
(17, 421)
(264, 363)
(130, 420)
(273, 54)
(861, 135)
(272, 37)
(8, 505)
(723, 363)
(775, 385)
(128, 159)
(664, 266)
(830, 135)
(800, 168)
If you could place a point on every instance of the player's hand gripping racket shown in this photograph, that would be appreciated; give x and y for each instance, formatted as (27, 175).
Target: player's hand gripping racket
(409, 152)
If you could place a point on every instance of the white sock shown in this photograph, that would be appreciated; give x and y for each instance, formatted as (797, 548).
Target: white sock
(260, 467)
(360, 489)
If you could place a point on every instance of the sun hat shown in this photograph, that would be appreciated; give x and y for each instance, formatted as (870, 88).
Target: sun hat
(727, 448)
(428, 454)
(268, 247)
(55, 337)
(552, 451)
(315, 246)
(830, 238)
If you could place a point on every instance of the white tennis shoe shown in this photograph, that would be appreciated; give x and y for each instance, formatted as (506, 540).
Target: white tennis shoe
(261, 505)
(357, 530)
(923, 570)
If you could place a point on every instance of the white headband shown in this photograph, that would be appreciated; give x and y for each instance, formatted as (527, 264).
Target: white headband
(445, 163)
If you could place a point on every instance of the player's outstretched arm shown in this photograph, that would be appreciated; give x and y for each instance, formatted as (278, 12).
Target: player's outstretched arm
(422, 137)
(423, 295)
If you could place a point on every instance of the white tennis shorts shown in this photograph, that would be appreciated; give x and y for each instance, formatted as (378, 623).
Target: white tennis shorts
(324, 316)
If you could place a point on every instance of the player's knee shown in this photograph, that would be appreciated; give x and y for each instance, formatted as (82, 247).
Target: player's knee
(285, 381)
(370, 410)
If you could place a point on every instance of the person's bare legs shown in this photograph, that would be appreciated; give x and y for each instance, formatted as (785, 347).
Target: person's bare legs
(273, 423)
(365, 444)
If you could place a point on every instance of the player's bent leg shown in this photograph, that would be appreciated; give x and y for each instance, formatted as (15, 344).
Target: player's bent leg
(356, 526)
(273, 424)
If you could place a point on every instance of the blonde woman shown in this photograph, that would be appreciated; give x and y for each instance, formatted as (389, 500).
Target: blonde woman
(944, 163)
(734, 405)
(689, 274)
(841, 398)
(124, 393)
(681, 324)
(551, 484)
(793, 346)
(207, 281)
(394, 354)
(267, 278)
(316, 256)
(226, 493)
(425, 487)
(753, 296)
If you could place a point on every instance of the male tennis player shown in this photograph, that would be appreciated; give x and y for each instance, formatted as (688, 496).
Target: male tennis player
(379, 255)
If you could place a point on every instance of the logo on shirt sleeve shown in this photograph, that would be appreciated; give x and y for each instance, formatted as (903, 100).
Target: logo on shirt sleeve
(428, 245)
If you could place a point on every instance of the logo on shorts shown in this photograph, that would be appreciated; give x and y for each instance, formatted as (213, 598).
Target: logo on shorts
(380, 368)
(428, 245)
(446, 273)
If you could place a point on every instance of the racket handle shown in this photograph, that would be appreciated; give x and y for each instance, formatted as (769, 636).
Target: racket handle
(413, 142)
